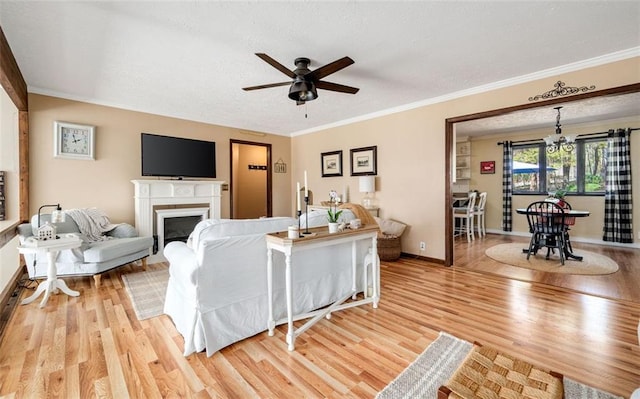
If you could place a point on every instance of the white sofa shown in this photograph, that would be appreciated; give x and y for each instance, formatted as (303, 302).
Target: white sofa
(217, 290)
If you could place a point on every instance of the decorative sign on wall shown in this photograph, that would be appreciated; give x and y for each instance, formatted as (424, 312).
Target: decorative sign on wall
(487, 167)
(280, 166)
(257, 167)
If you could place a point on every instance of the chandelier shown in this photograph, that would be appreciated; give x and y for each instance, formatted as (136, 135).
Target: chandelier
(556, 142)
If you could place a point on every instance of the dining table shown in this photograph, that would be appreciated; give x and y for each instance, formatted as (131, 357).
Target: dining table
(569, 213)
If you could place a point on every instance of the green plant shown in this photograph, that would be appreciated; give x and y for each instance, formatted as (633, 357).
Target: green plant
(559, 194)
(333, 213)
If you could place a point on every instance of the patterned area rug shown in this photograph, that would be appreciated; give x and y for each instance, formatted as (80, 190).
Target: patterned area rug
(592, 264)
(441, 359)
(147, 291)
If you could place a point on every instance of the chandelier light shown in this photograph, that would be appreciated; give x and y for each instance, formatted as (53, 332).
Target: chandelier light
(556, 142)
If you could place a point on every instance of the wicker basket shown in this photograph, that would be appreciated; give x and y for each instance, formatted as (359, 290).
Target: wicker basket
(389, 247)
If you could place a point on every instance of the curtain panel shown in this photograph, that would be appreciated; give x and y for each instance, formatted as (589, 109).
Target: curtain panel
(618, 203)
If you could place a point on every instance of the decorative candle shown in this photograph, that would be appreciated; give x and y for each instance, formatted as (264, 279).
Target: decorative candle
(306, 185)
(298, 195)
(344, 194)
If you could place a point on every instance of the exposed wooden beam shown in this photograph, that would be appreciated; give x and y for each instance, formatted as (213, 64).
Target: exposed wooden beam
(11, 77)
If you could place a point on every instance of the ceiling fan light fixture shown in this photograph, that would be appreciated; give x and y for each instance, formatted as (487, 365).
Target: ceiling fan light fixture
(302, 90)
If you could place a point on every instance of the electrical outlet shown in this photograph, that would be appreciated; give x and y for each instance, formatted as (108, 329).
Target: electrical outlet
(423, 245)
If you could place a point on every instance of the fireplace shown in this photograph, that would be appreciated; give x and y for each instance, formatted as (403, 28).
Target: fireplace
(176, 224)
(152, 195)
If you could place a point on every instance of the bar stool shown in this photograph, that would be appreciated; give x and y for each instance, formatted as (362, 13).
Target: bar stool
(465, 216)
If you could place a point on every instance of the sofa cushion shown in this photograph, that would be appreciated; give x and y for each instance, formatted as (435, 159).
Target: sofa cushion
(123, 230)
(216, 228)
(102, 251)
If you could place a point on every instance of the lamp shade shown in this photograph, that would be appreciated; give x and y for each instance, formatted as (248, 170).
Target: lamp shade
(367, 184)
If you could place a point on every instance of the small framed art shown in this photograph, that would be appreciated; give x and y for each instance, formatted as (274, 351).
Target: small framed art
(487, 167)
(363, 161)
(73, 141)
(331, 163)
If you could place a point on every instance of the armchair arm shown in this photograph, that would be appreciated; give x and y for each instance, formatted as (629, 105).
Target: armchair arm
(183, 262)
(25, 230)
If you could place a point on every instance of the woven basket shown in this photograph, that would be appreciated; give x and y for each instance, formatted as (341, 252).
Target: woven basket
(389, 247)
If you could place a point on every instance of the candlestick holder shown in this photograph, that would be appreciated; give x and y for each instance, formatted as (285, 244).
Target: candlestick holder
(299, 232)
(306, 212)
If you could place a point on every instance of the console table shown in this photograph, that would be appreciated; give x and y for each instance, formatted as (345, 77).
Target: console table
(320, 238)
(52, 283)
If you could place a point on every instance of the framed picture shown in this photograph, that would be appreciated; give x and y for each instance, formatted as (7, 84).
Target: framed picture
(73, 141)
(363, 161)
(487, 167)
(331, 163)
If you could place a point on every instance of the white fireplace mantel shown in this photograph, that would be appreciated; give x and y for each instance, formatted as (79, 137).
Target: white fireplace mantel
(150, 193)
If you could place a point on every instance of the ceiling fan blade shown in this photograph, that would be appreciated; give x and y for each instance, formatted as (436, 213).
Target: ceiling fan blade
(266, 86)
(328, 69)
(336, 87)
(277, 65)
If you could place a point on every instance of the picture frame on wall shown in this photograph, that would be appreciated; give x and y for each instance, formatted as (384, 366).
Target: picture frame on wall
(73, 141)
(487, 167)
(331, 163)
(364, 161)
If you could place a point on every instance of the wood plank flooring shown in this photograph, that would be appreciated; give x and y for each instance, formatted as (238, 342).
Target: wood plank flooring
(94, 346)
(624, 284)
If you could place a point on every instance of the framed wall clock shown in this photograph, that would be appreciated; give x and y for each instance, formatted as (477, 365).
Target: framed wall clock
(73, 141)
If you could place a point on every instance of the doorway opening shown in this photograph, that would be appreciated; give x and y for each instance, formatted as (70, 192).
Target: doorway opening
(250, 187)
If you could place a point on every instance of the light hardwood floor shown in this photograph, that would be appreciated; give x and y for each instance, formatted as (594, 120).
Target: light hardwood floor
(624, 284)
(94, 346)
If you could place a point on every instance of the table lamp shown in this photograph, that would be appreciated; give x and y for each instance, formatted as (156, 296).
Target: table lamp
(367, 185)
(48, 231)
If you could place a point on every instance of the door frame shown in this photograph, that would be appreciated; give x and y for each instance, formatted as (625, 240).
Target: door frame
(450, 146)
(269, 174)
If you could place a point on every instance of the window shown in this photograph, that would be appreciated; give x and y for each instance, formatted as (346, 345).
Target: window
(580, 171)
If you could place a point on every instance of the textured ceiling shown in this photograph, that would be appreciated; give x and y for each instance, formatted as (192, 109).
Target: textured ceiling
(191, 59)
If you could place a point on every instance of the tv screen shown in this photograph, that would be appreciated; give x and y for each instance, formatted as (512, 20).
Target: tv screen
(177, 157)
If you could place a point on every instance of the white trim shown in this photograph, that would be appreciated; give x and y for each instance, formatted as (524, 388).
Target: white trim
(576, 66)
(591, 62)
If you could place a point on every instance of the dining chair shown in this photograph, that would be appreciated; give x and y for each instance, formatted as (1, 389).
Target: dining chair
(478, 211)
(464, 217)
(568, 222)
(547, 227)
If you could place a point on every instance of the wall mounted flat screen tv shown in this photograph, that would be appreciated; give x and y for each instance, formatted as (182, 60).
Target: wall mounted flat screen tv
(177, 157)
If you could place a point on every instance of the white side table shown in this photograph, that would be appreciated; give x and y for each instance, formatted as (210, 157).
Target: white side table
(52, 283)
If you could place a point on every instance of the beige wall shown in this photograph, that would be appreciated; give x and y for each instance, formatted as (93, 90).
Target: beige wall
(105, 182)
(589, 229)
(411, 151)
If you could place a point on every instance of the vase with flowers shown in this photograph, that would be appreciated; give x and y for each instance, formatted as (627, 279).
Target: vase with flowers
(333, 214)
(557, 197)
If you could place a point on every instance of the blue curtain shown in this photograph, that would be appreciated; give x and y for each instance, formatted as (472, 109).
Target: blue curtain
(618, 203)
(507, 190)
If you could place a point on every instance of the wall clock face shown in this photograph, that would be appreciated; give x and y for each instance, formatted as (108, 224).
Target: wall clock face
(73, 141)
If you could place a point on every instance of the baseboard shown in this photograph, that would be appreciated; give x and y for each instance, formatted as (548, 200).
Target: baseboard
(420, 257)
(9, 299)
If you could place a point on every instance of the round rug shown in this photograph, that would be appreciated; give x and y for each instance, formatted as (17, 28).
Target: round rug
(592, 263)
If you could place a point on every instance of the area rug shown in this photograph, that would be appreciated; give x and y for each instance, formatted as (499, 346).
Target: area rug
(147, 291)
(440, 360)
(591, 264)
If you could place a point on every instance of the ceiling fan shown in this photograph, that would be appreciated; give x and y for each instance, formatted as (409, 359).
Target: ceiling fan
(305, 82)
